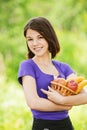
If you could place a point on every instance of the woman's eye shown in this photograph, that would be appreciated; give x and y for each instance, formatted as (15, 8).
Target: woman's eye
(40, 37)
(29, 39)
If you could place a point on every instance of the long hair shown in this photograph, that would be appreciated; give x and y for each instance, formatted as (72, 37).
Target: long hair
(44, 27)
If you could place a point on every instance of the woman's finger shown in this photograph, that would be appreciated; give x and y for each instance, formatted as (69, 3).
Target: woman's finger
(45, 91)
(50, 89)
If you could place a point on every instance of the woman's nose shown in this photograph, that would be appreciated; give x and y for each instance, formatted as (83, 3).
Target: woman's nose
(35, 42)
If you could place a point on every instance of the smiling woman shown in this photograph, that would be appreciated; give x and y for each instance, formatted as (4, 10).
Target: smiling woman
(37, 72)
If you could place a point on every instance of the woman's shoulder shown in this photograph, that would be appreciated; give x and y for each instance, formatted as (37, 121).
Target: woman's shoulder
(60, 63)
(64, 67)
(25, 68)
(25, 62)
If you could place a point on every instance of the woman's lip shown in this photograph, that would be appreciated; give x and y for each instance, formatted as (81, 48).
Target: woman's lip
(38, 48)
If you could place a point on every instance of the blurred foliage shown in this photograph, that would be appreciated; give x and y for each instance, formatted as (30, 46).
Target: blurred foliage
(73, 51)
(78, 117)
(69, 19)
(14, 112)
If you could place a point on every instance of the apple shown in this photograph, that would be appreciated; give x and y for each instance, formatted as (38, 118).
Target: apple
(61, 81)
(72, 84)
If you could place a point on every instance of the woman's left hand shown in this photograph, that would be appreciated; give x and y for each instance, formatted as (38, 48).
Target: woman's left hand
(53, 95)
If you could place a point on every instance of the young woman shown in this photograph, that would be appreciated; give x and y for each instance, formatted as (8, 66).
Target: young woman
(38, 71)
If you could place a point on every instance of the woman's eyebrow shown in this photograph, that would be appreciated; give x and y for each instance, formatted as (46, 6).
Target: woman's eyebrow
(31, 36)
(28, 36)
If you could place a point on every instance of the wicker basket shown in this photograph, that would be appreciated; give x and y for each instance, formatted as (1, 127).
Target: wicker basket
(63, 90)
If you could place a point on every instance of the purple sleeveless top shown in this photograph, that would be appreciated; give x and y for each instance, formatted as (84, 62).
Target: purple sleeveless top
(29, 67)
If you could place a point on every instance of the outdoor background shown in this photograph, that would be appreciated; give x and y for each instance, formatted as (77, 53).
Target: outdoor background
(69, 19)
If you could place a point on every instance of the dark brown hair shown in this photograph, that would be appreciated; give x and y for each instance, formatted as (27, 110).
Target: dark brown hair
(43, 26)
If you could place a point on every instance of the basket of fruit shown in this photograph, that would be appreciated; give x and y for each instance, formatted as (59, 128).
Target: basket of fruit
(70, 86)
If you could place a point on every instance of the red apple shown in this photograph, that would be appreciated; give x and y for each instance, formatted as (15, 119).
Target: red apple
(72, 84)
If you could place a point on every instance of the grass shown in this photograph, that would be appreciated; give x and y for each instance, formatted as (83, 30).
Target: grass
(15, 114)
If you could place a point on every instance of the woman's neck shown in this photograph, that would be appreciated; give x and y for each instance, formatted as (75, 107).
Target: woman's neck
(45, 60)
(46, 65)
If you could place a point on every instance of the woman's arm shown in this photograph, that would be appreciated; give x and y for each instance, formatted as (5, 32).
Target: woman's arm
(78, 99)
(73, 100)
(34, 101)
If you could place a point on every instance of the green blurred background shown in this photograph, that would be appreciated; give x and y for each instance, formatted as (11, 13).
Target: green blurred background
(69, 19)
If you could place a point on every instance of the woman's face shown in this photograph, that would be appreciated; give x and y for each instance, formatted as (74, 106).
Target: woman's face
(36, 43)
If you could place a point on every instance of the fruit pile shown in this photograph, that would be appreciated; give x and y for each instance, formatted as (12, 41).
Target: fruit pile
(70, 86)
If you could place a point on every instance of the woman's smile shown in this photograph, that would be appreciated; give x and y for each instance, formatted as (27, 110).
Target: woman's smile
(38, 48)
